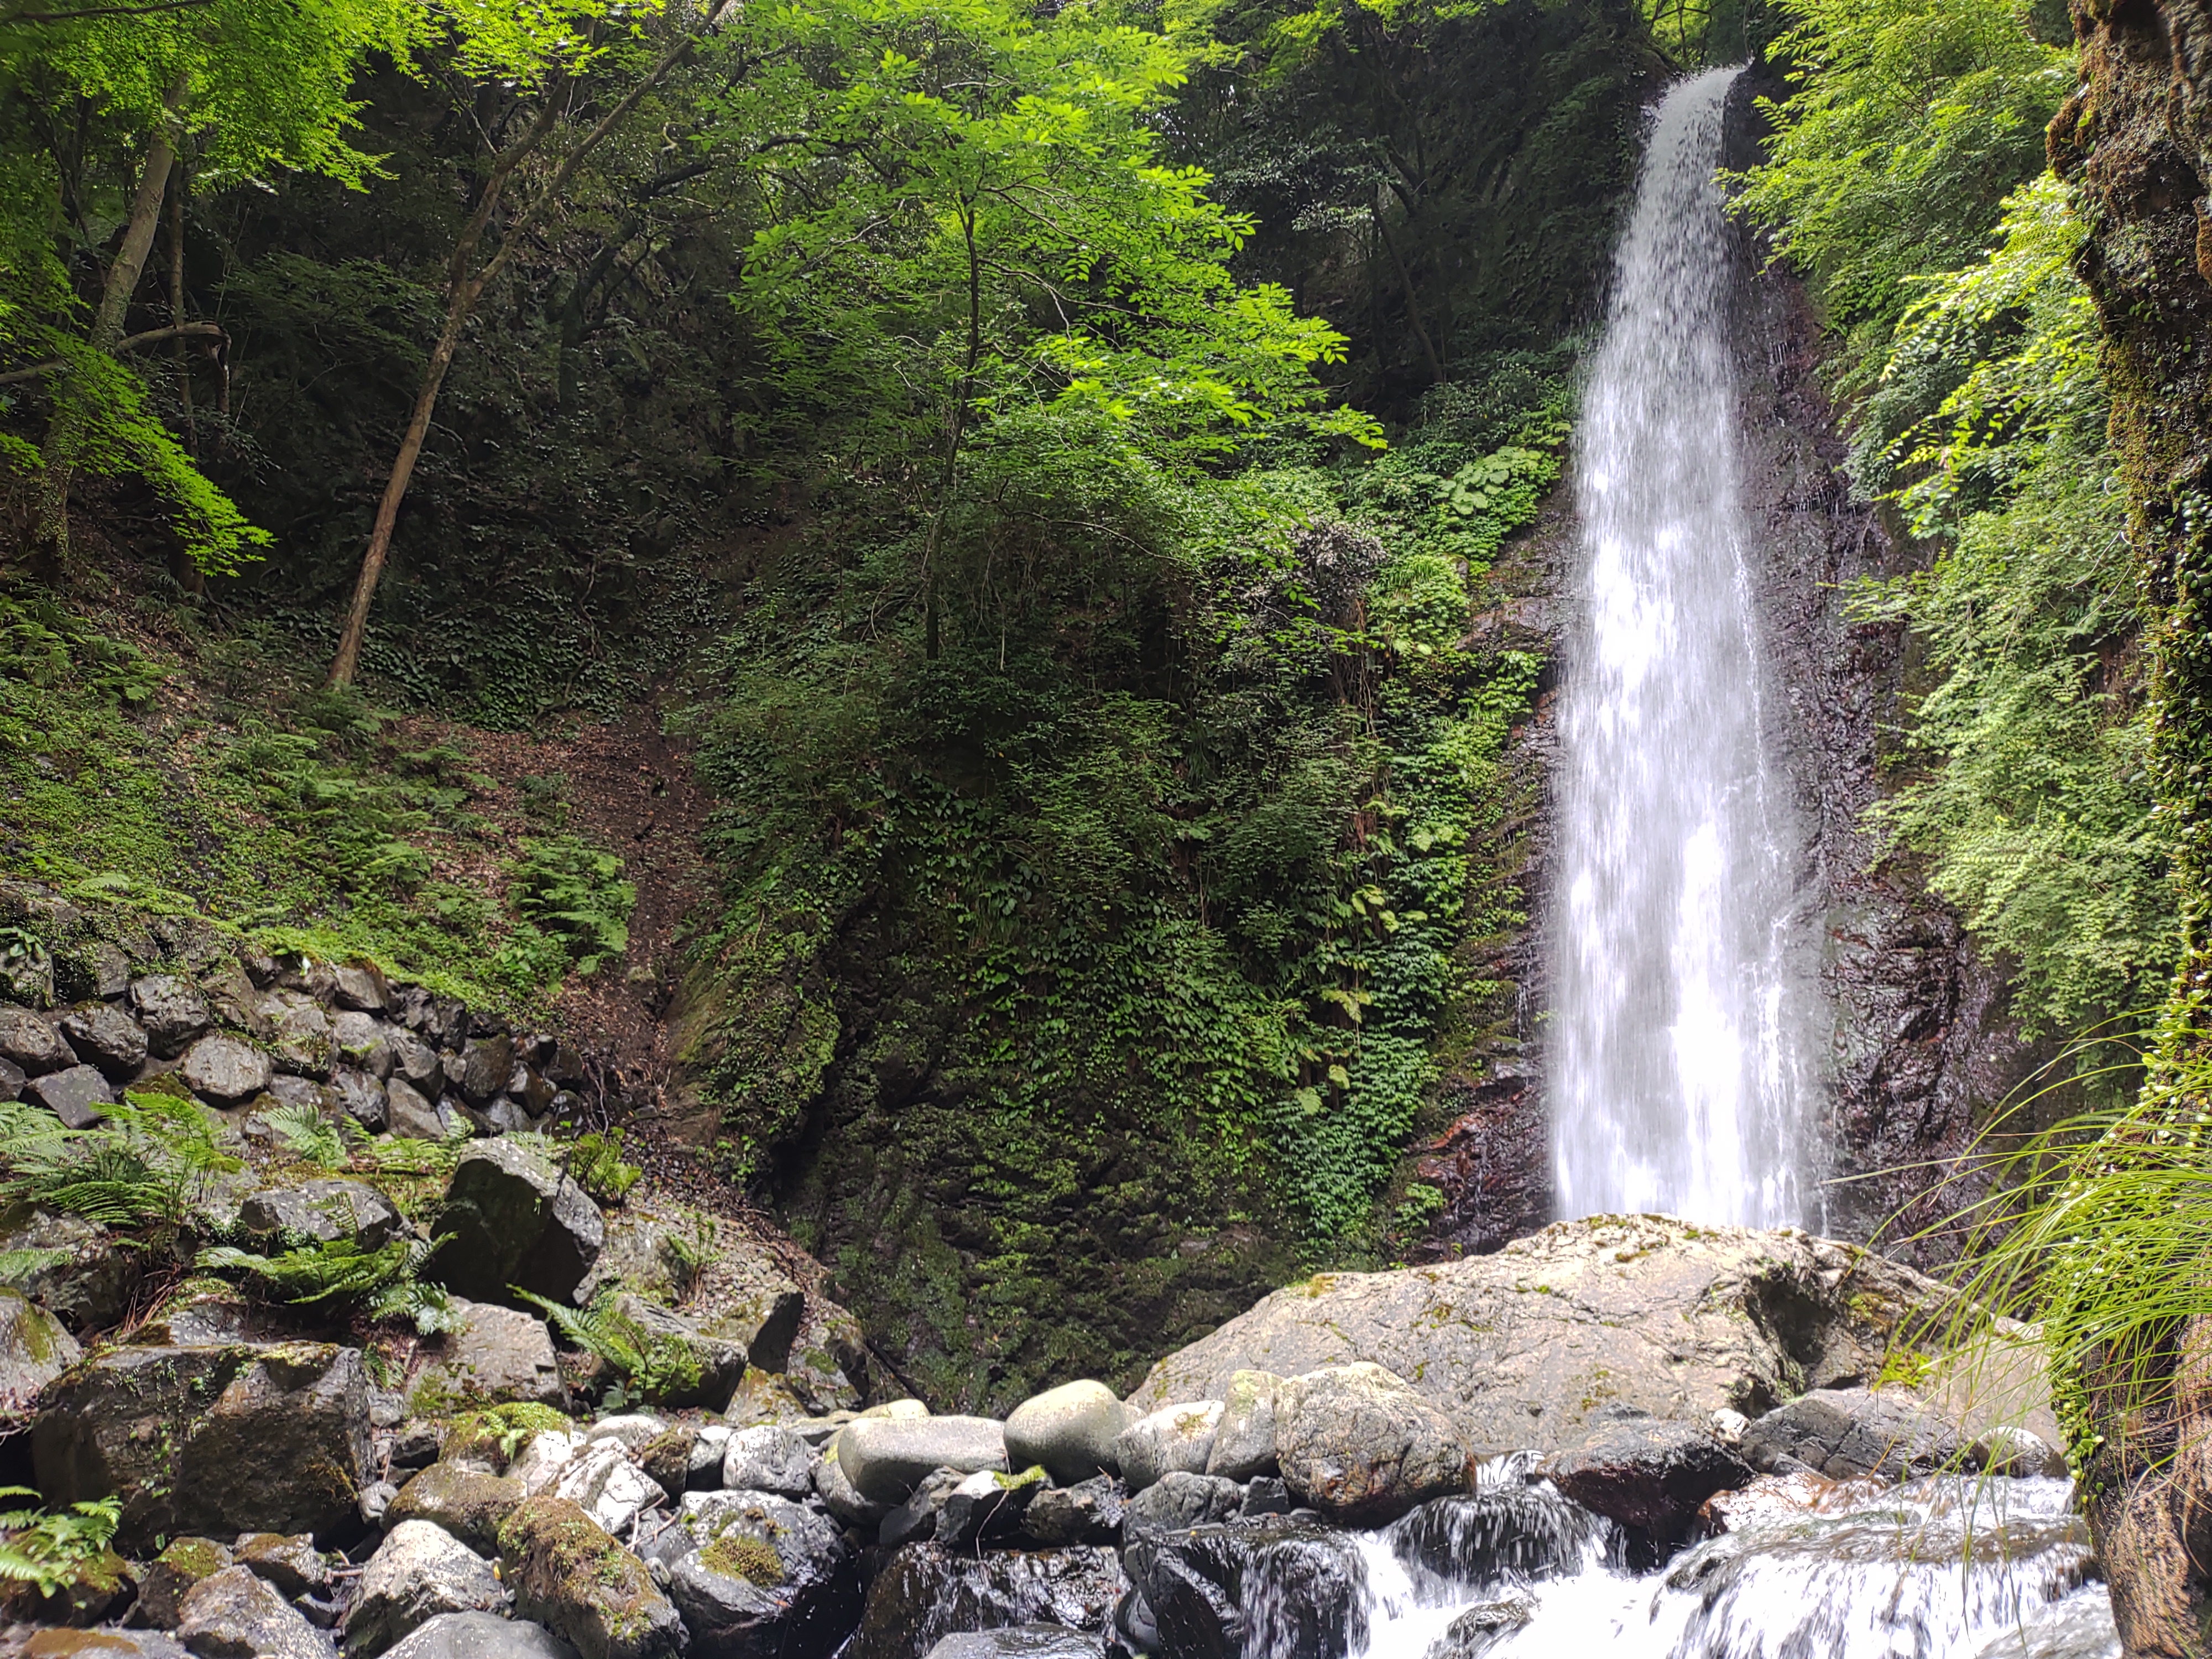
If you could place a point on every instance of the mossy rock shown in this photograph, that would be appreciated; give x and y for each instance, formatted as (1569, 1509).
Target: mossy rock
(573, 1578)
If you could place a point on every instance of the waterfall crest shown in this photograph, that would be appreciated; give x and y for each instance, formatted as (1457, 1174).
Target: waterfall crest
(1680, 1072)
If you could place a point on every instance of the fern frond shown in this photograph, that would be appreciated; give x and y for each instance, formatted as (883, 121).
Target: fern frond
(309, 1135)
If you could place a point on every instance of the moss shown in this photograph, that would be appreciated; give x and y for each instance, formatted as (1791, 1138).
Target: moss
(496, 1432)
(194, 1559)
(738, 1555)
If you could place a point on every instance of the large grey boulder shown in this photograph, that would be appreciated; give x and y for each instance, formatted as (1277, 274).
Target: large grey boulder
(485, 1064)
(1840, 1432)
(181, 1565)
(924, 1594)
(515, 1220)
(361, 1098)
(481, 1636)
(1019, 1642)
(218, 1440)
(1647, 1473)
(360, 985)
(34, 1350)
(418, 1572)
(1089, 1512)
(569, 1575)
(886, 1458)
(839, 1495)
(767, 1458)
(364, 1040)
(1522, 1348)
(1069, 1431)
(106, 1037)
(329, 1210)
(409, 1115)
(1244, 1441)
(1174, 1437)
(987, 1505)
(32, 1042)
(233, 1615)
(470, 1502)
(766, 1578)
(1358, 1443)
(225, 1071)
(414, 1061)
(75, 1095)
(299, 1032)
(493, 1356)
(721, 1364)
(173, 1010)
(291, 1562)
(1178, 1501)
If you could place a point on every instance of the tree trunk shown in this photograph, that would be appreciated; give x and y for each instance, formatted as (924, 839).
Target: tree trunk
(64, 439)
(1412, 302)
(462, 293)
(188, 574)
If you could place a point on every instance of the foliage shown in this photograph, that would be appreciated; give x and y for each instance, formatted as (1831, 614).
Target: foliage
(309, 1136)
(382, 1281)
(653, 1365)
(595, 1160)
(504, 1429)
(48, 1550)
(575, 894)
(148, 1162)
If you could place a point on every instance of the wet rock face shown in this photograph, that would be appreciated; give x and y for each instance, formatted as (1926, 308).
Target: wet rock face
(1273, 1587)
(516, 1220)
(1525, 1347)
(925, 1594)
(1649, 1475)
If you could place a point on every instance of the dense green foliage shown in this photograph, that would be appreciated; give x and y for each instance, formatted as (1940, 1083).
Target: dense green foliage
(1974, 404)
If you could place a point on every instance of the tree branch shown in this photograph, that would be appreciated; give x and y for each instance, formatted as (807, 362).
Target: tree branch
(130, 342)
(100, 11)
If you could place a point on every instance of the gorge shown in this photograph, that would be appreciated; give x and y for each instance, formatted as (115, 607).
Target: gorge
(1265, 834)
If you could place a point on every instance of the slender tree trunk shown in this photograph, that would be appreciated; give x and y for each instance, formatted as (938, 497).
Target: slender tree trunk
(50, 539)
(188, 574)
(965, 393)
(462, 293)
(1412, 303)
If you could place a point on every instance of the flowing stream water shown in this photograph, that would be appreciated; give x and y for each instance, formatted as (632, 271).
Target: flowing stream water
(1680, 1070)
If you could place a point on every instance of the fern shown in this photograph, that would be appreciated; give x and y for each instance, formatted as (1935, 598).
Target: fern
(576, 893)
(147, 1162)
(16, 1266)
(655, 1365)
(50, 1550)
(383, 1280)
(310, 1136)
(595, 1161)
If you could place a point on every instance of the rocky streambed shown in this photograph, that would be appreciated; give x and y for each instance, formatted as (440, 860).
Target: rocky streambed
(1625, 1432)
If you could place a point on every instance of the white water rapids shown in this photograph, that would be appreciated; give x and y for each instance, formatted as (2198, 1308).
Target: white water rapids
(1943, 1568)
(1680, 1075)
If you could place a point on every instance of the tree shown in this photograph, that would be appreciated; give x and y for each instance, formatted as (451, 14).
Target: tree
(466, 281)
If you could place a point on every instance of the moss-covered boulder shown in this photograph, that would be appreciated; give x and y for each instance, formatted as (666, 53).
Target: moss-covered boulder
(240, 1437)
(466, 1502)
(573, 1578)
(35, 1349)
(176, 1570)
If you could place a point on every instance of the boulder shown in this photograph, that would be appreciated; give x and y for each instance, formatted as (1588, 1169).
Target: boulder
(299, 1032)
(288, 1560)
(1483, 1626)
(485, 1065)
(179, 1566)
(1178, 1501)
(414, 1062)
(841, 1497)
(364, 1042)
(481, 1636)
(1358, 1443)
(767, 1458)
(544, 1458)
(2015, 1452)
(419, 1572)
(1517, 1526)
(719, 1365)
(515, 1219)
(569, 1576)
(361, 985)
(75, 1095)
(1018, 1641)
(106, 1037)
(1069, 1431)
(1646, 1473)
(988, 1505)
(493, 1356)
(198, 1315)
(924, 1594)
(766, 1579)
(702, 1464)
(1840, 1432)
(1089, 1512)
(1521, 1348)
(916, 1518)
(886, 1458)
(11, 1080)
(173, 1011)
(604, 1480)
(1174, 1437)
(220, 1440)
(34, 1350)
(232, 1614)
(330, 1211)
(88, 1276)
(361, 1097)
(1244, 1442)
(1273, 1587)
(634, 1430)
(469, 1502)
(224, 1070)
(33, 1042)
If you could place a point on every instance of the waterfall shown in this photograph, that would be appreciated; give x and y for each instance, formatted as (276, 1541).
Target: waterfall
(1678, 1065)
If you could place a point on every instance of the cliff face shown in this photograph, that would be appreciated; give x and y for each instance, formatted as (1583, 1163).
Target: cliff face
(2135, 142)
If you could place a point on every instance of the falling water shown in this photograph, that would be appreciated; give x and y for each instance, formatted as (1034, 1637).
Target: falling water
(1680, 1080)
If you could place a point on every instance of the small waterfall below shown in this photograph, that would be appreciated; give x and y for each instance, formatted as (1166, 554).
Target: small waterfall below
(1679, 1060)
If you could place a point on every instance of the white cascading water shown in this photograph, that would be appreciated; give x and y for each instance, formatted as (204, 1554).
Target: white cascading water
(1679, 1072)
